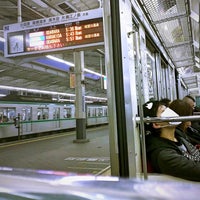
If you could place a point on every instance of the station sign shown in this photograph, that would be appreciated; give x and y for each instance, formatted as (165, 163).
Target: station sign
(70, 31)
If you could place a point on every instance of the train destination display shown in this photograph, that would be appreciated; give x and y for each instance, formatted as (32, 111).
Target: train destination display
(78, 31)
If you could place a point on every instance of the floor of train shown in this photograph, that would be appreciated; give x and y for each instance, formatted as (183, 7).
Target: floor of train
(60, 153)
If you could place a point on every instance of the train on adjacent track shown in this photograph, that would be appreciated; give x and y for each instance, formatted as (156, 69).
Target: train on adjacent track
(22, 119)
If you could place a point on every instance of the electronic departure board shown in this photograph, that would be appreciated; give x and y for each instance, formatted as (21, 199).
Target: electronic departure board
(71, 31)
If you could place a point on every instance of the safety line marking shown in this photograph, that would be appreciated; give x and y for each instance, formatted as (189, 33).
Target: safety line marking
(84, 168)
(88, 159)
(92, 163)
(34, 140)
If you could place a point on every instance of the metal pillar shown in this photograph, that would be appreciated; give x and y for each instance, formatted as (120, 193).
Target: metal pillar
(19, 11)
(80, 98)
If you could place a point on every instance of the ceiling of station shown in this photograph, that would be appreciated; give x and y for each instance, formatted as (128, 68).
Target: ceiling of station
(176, 22)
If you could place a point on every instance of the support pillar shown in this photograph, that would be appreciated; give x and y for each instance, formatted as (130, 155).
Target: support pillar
(80, 112)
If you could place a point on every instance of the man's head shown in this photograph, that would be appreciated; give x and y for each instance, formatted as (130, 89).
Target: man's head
(190, 100)
(182, 108)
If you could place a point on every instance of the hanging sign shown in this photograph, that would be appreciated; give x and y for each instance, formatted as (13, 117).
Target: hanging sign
(71, 31)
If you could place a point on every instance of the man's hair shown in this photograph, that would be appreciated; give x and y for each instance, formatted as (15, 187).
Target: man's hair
(165, 101)
(181, 107)
(150, 109)
(188, 97)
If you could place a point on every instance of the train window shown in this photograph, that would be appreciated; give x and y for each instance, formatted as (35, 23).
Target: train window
(105, 111)
(92, 112)
(164, 76)
(151, 74)
(67, 112)
(88, 112)
(7, 114)
(198, 101)
(26, 114)
(99, 112)
(96, 112)
(56, 113)
(42, 113)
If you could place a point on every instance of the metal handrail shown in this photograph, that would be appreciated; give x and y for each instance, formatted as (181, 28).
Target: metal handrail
(169, 119)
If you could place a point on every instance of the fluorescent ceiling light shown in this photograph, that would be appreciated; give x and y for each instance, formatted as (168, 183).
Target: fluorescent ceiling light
(2, 39)
(92, 72)
(40, 3)
(46, 92)
(60, 60)
(197, 65)
(35, 90)
(196, 44)
(89, 102)
(197, 59)
(72, 65)
(194, 16)
(67, 100)
(99, 98)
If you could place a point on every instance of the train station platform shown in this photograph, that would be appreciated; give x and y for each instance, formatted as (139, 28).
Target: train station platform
(59, 152)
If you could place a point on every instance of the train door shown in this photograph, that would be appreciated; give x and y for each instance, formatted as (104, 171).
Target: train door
(56, 116)
(26, 117)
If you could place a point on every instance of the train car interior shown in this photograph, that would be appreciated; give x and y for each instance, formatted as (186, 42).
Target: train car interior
(132, 51)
